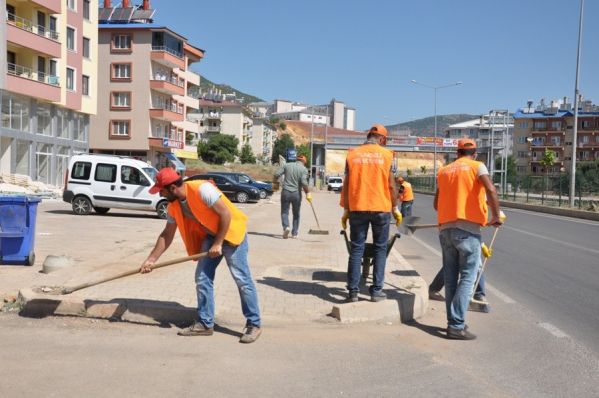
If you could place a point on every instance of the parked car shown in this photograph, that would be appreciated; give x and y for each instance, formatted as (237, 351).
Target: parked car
(233, 190)
(334, 183)
(102, 182)
(264, 188)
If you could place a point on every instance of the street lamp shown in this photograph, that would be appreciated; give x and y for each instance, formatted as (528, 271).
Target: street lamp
(435, 88)
(576, 98)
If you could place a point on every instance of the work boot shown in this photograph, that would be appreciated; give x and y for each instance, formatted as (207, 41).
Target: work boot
(197, 329)
(352, 297)
(436, 296)
(250, 334)
(377, 296)
(286, 232)
(459, 334)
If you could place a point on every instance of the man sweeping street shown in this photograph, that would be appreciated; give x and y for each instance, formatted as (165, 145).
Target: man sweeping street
(463, 189)
(406, 196)
(208, 222)
(369, 197)
(295, 179)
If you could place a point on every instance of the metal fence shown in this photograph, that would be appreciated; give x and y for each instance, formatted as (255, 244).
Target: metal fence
(549, 190)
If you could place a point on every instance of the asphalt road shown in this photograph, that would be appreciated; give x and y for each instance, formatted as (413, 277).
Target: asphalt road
(547, 264)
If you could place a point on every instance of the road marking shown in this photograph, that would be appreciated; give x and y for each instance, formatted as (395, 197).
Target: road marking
(536, 235)
(427, 246)
(552, 329)
(553, 216)
(502, 296)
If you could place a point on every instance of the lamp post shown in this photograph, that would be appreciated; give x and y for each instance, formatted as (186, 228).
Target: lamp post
(435, 88)
(576, 97)
(529, 177)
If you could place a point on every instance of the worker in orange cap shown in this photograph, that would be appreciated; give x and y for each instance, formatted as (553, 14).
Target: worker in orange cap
(406, 196)
(369, 199)
(463, 189)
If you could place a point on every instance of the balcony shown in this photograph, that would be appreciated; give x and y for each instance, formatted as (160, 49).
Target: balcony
(26, 34)
(25, 81)
(50, 5)
(213, 129)
(168, 57)
(166, 112)
(170, 87)
(214, 116)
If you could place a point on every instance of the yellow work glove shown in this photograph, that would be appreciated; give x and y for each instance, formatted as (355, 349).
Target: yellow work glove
(344, 219)
(397, 215)
(487, 252)
(502, 216)
(309, 197)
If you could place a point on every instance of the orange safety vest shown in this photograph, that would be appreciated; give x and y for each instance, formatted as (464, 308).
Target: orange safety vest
(192, 232)
(368, 185)
(461, 194)
(407, 194)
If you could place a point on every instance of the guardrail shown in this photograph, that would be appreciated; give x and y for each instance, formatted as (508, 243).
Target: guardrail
(29, 26)
(28, 73)
(168, 50)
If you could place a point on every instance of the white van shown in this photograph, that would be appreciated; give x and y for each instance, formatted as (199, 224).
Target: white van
(102, 182)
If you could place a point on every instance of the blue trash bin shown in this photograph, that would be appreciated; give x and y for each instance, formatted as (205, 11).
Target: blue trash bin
(17, 229)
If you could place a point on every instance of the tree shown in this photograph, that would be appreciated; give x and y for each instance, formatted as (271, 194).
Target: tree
(423, 169)
(282, 126)
(409, 172)
(304, 149)
(547, 161)
(247, 155)
(219, 148)
(282, 143)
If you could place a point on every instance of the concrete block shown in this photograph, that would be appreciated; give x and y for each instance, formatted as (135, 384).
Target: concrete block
(40, 305)
(365, 311)
(105, 310)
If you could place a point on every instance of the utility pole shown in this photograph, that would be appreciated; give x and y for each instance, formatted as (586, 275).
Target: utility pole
(576, 98)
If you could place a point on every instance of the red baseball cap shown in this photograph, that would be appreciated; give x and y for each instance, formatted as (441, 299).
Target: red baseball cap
(466, 143)
(165, 176)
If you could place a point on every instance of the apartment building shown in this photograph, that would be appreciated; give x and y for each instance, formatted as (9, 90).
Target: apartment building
(335, 114)
(150, 90)
(551, 126)
(48, 86)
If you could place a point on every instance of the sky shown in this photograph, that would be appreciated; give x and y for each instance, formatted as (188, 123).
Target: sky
(365, 53)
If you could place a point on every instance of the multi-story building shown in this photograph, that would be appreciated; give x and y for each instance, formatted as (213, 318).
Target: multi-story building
(550, 126)
(335, 114)
(48, 85)
(144, 70)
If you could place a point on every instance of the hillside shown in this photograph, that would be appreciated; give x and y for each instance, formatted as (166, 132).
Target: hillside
(206, 85)
(426, 126)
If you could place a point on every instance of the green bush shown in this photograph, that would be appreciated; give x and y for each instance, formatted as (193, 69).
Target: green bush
(219, 148)
(247, 155)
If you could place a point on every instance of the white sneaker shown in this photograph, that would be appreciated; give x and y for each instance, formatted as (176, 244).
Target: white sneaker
(286, 232)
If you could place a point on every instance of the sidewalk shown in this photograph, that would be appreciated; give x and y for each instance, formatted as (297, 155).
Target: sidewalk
(298, 280)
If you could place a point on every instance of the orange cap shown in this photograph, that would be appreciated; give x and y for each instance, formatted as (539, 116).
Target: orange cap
(400, 179)
(302, 158)
(466, 143)
(378, 129)
(165, 176)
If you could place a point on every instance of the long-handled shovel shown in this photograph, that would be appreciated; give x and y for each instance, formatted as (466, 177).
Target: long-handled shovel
(318, 231)
(57, 290)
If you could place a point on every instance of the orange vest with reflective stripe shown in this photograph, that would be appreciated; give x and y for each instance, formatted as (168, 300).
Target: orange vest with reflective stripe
(192, 232)
(407, 194)
(368, 185)
(461, 194)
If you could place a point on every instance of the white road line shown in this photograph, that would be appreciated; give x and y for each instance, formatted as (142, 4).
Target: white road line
(427, 246)
(552, 329)
(552, 216)
(502, 296)
(537, 235)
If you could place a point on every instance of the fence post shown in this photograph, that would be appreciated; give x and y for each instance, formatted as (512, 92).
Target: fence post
(560, 191)
(579, 197)
(527, 188)
(544, 186)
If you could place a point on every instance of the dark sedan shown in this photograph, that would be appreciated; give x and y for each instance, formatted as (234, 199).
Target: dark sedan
(233, 190)
(265, 188)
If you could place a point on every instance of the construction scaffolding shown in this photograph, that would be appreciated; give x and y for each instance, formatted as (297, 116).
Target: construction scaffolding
(499, 122)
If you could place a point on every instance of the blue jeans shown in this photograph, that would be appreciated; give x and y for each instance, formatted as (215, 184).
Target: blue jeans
(439, 281)
(461, 261)
(236, 258)
(359, 222)
(295, 200)
(406, 208)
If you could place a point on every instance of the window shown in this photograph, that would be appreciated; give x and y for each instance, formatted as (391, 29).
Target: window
(121, 42)
(85, 85)
(105, 172)
(523, 125)
(121, 71)
(86, 9)
(121, 99)
(10, 10)
(522, 140)
(522, 154)
(584, 139)
(72, 4)
(70, 79)
(14, 112)
(555, 141)
(120, 127)
(587, 124)
(131, 175)
(81, 170)
(62, 123)
(556, 125)
(86, 47)
(521, 169)
(44, 119)
(71, 39)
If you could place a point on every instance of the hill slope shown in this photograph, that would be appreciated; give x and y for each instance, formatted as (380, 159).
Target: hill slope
(426, 126)
(206, 85)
